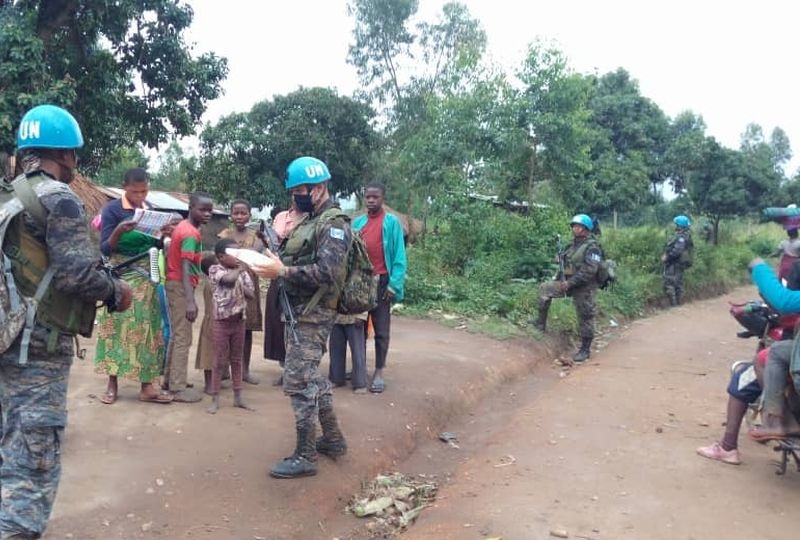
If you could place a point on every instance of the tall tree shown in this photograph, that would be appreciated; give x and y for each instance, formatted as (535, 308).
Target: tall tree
(685, 150)
(383, 41)
(122, 68)
(628, 152)
(781, 148)
(418, 70)
(246, 154)
(553, 110)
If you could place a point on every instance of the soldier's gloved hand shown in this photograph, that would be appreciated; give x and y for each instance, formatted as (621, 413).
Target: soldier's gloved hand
(124, 295)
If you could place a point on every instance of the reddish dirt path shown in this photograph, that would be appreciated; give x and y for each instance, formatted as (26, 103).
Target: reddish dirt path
(591, 461)
(586, 455)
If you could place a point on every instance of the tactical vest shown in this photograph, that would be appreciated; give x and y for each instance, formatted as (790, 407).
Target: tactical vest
(300, 249)
(573, 260)
(686, 258)
(29, 261)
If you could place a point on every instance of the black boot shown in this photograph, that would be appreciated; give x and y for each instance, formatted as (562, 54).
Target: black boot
(541, 321)
(304, 460)
(332, 442)
(584, 352)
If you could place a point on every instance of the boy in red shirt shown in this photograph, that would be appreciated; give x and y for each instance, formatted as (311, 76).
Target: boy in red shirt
(183, 275)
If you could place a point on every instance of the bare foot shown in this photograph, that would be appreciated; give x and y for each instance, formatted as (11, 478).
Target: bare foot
(111, 392)
(214, 407)
(766, 433)
(239, 402)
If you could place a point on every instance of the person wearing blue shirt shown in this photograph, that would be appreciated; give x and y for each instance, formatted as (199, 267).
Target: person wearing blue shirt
(383, 236)
(779, 360)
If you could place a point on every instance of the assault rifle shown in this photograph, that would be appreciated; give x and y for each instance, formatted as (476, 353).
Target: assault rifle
(273, 244)
(115, 271)
(561, 270)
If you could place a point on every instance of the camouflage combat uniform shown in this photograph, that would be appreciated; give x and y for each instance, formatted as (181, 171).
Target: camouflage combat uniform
(677, 253)
(33, 396)
(318, 261)
(581, 262)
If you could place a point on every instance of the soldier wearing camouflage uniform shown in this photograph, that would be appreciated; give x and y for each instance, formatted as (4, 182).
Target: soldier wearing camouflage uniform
(677, 257)
(581, 261)
(313, 258)
(33, 391)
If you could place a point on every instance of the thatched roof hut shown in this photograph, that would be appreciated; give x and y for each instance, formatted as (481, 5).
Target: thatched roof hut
(90, 194)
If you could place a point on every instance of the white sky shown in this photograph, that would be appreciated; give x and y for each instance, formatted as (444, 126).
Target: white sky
(731, 62)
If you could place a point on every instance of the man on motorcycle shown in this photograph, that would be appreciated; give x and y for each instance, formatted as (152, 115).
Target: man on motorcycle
(781, 362)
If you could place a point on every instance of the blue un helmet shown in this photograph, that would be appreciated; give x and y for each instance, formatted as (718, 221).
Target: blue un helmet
(306, 170)
(48, 126)
(583, 219)
(682, 222)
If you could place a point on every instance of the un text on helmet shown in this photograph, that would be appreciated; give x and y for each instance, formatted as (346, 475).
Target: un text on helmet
(29, 129)
(312, 171)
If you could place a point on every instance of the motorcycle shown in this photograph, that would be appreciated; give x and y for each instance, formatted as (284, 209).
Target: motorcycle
(761, 321)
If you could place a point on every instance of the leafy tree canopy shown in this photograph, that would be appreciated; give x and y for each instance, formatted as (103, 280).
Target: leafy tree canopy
(246, 154)
(122, 68)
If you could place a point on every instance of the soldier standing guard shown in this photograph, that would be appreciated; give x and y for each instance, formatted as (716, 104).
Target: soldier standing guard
(313, 257)
(677, 257)
(51, 237)
(577, 279)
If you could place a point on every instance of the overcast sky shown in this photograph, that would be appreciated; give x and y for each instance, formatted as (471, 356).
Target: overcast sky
(733, 63)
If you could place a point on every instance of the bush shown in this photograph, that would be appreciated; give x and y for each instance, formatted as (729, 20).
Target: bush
(487, 262)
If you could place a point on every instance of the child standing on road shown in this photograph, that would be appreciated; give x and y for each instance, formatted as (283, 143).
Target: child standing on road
(231, 288)
(183, 271)
(205, 358)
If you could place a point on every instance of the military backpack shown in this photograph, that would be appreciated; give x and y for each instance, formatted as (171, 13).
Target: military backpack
(17, 311)
(358, 292)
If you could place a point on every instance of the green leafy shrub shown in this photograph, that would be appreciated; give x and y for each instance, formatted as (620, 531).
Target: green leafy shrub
(488, 262)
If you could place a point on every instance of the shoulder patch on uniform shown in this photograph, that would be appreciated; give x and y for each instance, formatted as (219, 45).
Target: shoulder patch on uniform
(68, 208)
(595, 257)
(337, 233)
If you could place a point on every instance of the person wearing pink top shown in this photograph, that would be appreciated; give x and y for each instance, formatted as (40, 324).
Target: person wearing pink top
(274, 345)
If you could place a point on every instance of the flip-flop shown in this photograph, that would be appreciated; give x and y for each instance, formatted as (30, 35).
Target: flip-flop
(108, 398)
(158, 398)
(377, 386)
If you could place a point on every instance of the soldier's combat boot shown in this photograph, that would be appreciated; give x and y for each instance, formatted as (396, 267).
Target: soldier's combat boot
(541, 320)
(332, 442)
(584, 352)
(304, 460)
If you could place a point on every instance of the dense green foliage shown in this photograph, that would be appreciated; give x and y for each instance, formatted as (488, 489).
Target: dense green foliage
(122, 68)
(246, 154)
(493, 270)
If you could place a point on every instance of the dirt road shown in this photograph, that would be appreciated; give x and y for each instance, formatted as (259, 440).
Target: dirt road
(537, 452)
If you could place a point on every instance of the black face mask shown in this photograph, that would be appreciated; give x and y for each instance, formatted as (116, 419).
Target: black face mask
(303, 203)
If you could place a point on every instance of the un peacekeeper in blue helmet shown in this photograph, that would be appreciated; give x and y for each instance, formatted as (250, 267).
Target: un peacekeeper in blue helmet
(313, 259)
(677, 257)
(51, 236)
(579, 264)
